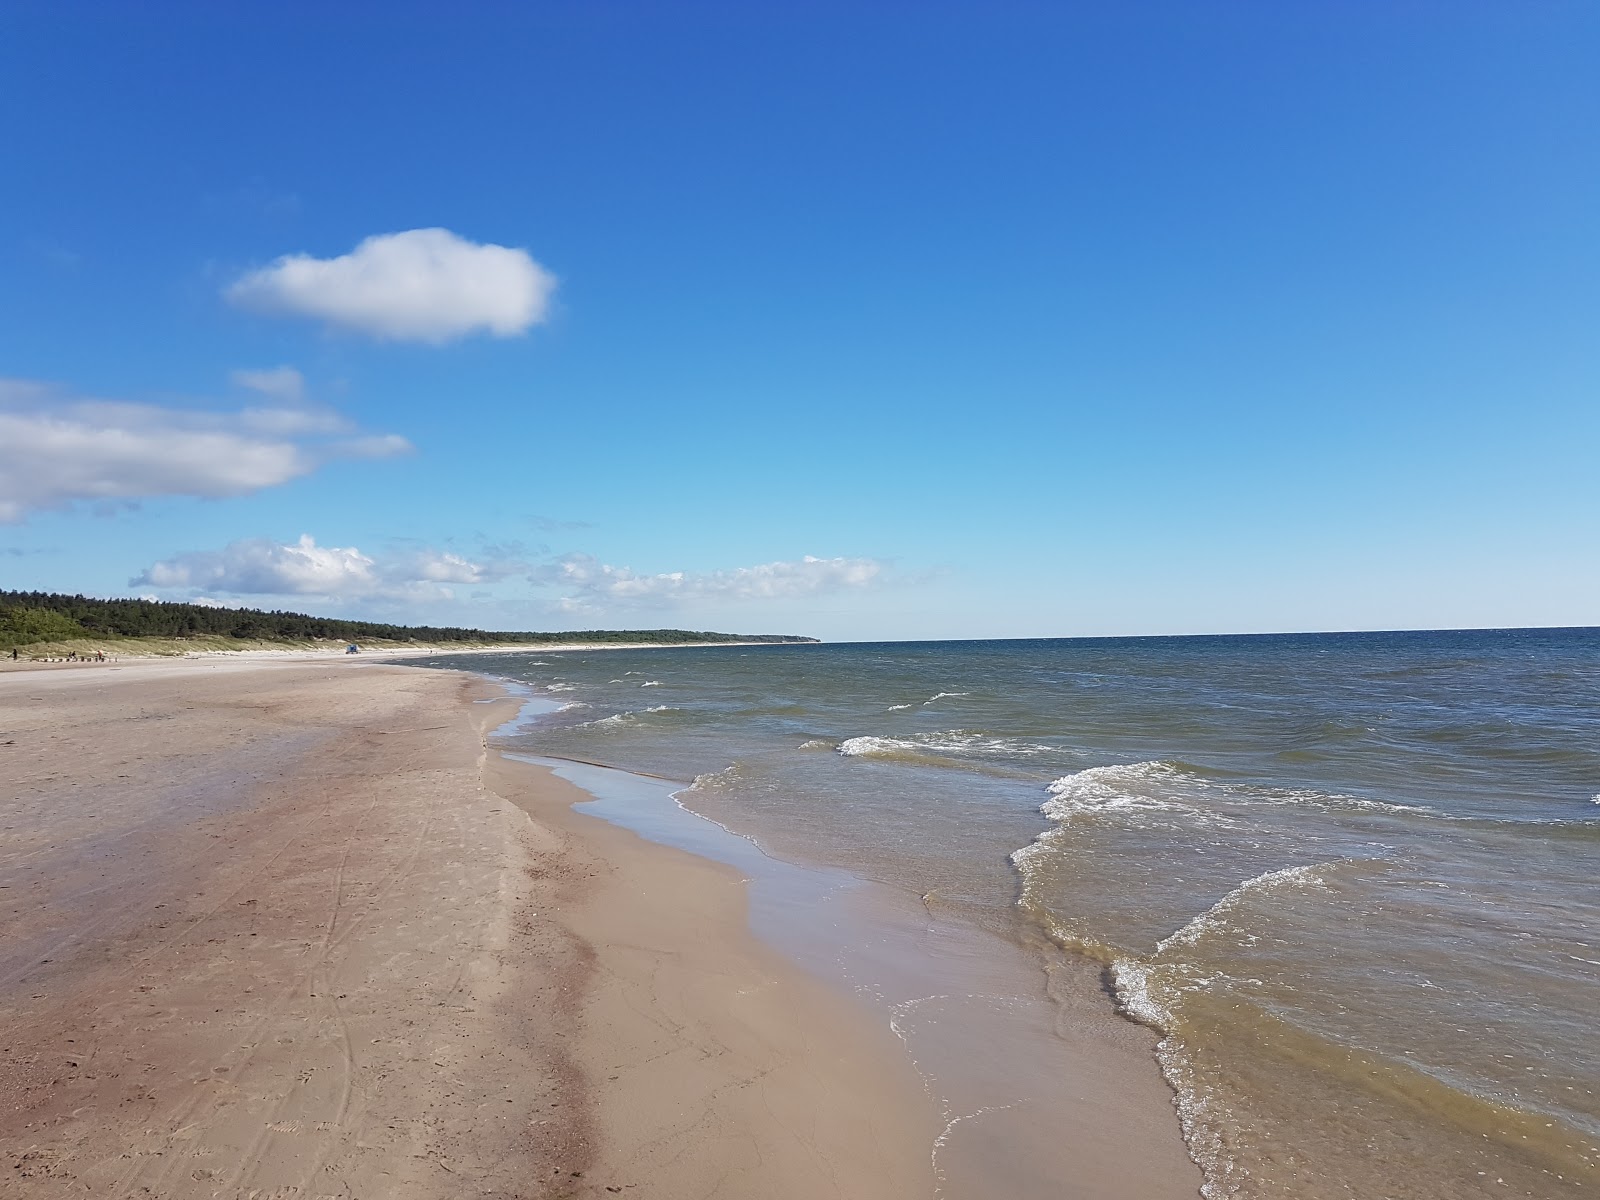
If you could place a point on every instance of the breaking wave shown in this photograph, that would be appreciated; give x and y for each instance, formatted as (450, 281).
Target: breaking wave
(1152, 990)
(944, 741)
(1179, 787)
(1119, 788)
(618, 720)
(878, 747)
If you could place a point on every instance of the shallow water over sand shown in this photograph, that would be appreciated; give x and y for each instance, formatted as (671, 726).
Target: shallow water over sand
(1349, 878)
(1004, 1063)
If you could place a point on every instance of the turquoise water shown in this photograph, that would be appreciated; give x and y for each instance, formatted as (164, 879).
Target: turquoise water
(1351, 879)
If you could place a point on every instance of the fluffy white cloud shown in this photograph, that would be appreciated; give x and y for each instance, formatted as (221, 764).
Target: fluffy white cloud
(424, 285)
(262, 567)
(588, 581)
(257, 566)
(60, 449)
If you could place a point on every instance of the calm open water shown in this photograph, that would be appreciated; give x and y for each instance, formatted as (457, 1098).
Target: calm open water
(1352, 879)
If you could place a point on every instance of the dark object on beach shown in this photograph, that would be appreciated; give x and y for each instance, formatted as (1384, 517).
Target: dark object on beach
(352, 648)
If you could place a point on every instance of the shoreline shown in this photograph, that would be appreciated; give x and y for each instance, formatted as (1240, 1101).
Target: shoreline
(289, 654)
(1038, 1049)
(714, 1067)
(281, 928)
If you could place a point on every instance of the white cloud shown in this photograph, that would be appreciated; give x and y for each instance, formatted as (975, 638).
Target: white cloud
(426, 285)
(60, 449)
(586, 581)
(262, 567)
(284, 385)
(442, 567)
(257, 566)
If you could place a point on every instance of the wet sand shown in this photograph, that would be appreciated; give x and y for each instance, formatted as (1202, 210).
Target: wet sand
(289, 929)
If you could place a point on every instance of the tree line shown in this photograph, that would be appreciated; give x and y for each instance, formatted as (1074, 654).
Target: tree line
(28, 617)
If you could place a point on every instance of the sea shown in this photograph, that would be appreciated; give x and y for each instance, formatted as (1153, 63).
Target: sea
(1351, 881)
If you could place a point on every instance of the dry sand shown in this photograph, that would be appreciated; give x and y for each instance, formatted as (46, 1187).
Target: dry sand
(287, 929)
(270, 930)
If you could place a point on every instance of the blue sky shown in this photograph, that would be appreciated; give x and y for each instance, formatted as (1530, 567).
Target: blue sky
(865, 321)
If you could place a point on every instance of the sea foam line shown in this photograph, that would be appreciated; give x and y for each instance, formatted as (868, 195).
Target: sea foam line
(946, 741)
(930, 1085)
(1308, 876)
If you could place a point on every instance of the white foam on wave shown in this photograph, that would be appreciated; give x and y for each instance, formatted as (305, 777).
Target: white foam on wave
(616, 720)
(1146, 786)
(1113, 788)
(560, 687)
(942, 695)
(572, 704)
(1121, 791)
(903, 707)
(1151, 991)
(866, 747)
(817, 744)
(1142, 989)
(1328, 801)
(651, 683)
(1131, 980)
(1201, 1115)
(967, 741)
(716, 781)
(611, 722)
(1217, 916)
(944, 741)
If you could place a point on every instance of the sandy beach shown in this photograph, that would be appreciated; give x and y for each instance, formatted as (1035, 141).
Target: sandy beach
(289, 928)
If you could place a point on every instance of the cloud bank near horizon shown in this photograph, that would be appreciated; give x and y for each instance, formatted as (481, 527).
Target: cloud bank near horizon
(587, 583)
(63, 450)
(306, 570)
(422, 285)
(263, 567)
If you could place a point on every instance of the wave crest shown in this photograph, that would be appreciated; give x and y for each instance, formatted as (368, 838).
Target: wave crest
(927, 746)
(618, 720)
(877, 747)
(1118, 787)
